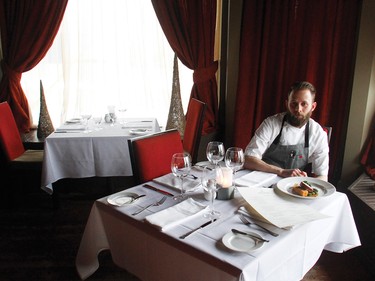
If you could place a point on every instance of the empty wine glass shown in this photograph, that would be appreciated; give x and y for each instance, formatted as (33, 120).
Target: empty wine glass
(86, 117)
(97, 122)
(215, 152)
(180, 166)
(210, 178)
(234, 159)
(122, 111)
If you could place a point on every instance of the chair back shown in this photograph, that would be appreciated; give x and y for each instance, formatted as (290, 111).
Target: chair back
(193, 128)
(328, 130)
(10, 139)
(151, 155)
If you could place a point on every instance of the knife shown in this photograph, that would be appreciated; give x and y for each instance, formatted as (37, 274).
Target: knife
(158, 190)
(195, 229)
(250, 235)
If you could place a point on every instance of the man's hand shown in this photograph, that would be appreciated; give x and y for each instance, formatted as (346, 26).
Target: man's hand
(253, 163)
(285, 173)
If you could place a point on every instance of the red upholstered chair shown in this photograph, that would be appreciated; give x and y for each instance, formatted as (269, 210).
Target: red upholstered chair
(308, 168)
(328, 130)
(151, 155)
(18, 165)
(193, 128)
(14, 153)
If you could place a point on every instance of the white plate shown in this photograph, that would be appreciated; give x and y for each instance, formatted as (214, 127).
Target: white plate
(120, 199)
(241, 243)
(200, 165)
(324, 188)
(139, 132)
(73, 121)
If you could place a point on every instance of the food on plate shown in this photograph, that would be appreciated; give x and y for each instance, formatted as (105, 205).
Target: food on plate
(304, 189)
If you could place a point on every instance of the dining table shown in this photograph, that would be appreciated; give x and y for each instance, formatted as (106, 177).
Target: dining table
(80, 149)
(153, 251)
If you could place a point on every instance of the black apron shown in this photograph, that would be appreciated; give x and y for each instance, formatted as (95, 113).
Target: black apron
(288, 156)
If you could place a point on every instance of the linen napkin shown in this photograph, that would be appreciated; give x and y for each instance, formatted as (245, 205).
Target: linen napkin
(176, 214)
(256, 178)
(138, 124)
(71, 127)
(171, 180)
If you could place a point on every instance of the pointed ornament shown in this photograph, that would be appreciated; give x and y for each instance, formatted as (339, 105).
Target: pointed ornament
(176, 116)
(45, 126)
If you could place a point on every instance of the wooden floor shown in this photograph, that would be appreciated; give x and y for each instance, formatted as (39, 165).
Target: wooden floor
(40, 243)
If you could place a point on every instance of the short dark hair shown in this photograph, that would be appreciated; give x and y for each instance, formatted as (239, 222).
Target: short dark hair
(302, 85)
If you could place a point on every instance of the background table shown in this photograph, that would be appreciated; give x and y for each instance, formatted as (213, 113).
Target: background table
(151, 254)
(102, 153)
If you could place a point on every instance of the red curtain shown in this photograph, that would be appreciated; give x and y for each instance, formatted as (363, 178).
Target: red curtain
(189, 26)
(283, 41)
(28, 28)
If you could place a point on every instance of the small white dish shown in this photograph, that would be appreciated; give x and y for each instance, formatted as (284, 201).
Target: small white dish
(241, 243)
(324, 188)
(73, 121)
(120, 199)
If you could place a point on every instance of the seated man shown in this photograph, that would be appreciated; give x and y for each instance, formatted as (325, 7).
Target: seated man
(286, 142)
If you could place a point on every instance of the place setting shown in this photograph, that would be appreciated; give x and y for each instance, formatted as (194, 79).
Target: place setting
(305, 187)
(241, 241)
(250, 228)
(123, 198)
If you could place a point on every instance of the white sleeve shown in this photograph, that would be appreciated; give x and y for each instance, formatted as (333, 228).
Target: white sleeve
(263, 137)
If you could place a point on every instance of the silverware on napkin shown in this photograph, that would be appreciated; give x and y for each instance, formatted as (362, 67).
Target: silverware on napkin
(157, 189)
(249, 223)
(195, 229)
(157, 203)
(235, 231)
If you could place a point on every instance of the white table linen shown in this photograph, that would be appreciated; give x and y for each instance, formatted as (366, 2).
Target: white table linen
(151, 254)
(174, 215)
(79, 154)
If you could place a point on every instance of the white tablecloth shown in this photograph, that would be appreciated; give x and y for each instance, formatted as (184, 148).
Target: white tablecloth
(151, 254)
(102, 153)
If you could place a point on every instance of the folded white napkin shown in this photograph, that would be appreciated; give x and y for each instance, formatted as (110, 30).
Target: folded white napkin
(256, 178)
(176, 214)
(139, 124)
(171, 180)
(71, 127)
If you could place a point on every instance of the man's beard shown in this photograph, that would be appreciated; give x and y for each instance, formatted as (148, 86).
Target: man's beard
(297, 122)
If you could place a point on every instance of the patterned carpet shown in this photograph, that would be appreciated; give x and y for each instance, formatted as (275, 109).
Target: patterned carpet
(40, 243)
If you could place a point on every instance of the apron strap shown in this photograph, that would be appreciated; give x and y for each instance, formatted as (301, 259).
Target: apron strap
(277, 139)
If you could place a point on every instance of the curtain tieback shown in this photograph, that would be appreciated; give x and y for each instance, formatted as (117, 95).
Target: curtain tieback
(12, 75)
(204, 74)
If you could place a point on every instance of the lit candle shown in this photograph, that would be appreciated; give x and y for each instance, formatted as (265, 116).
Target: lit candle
(226, 179)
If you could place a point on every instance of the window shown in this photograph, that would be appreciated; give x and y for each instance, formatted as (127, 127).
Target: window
(107, 52)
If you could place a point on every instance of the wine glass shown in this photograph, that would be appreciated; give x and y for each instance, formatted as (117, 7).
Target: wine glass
(215, 152)
(97, 122)
(86, 117)
(210, 178)
(234, 159)
(180, 166)
(122, 111)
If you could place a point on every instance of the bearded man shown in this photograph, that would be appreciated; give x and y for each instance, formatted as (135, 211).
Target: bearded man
(286, 142)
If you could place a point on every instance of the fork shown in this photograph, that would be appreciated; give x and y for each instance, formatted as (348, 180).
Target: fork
(193, 176)
(247, 222)
(158, 203)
